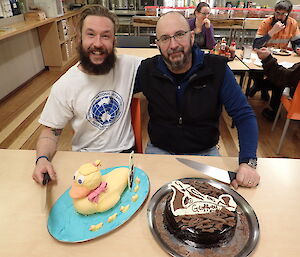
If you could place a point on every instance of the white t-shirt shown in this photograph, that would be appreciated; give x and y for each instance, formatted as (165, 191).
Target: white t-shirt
(98, 106)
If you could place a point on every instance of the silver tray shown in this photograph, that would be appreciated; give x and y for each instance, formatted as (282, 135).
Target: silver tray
(244, 206)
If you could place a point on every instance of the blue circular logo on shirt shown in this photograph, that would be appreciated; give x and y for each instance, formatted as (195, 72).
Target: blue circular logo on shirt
(106, 109)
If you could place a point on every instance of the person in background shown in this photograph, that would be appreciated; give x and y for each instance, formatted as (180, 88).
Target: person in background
(94, 96)
(186, 90)
(277, 74)
(276, 31)
(202, 27)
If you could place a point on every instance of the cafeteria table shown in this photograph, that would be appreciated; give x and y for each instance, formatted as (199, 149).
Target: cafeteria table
(24, 226)
(251, 63)
(255, 66)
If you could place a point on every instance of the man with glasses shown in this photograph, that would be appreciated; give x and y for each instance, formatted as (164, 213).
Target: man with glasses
(186, 90)
(276, 31)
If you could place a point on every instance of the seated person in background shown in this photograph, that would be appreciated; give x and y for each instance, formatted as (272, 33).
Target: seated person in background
(203, 29)
(276, 31)
(280, 29)
(186, 90)
(94, 95)
(277, 74)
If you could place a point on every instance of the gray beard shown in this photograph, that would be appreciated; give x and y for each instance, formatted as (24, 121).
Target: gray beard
(178, 65)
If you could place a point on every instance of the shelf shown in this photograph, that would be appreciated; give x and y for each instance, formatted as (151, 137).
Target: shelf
(68, 38)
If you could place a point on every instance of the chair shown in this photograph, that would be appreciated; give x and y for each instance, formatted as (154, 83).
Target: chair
(133, 41)
(292, 106)
(135, 109)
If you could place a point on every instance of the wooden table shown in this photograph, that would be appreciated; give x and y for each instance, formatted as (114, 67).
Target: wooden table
(23, 225)
(293, 58)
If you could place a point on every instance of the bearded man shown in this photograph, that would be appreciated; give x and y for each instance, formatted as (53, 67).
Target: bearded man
(276, 31)
(186, 90)
(94, 96)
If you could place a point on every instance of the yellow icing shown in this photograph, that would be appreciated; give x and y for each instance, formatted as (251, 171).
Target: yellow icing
(135, 197)
(136, 188)
(116, 183)
(137, 180)
(124, 208)
(112, 217)
(96, 227)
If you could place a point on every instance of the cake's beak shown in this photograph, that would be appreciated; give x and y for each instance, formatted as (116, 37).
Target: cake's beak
(77, 191)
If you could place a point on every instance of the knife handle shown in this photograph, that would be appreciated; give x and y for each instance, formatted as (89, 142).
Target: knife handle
(46, 178)
(232, 175)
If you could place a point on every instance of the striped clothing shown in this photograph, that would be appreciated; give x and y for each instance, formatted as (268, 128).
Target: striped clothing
(282, 38)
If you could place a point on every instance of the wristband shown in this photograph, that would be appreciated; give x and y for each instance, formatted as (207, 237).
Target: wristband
(40, 157)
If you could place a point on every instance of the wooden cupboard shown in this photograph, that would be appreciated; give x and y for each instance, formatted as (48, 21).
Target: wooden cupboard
(59, 41)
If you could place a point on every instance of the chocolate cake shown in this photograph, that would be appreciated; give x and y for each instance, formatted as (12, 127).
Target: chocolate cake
(200, 214)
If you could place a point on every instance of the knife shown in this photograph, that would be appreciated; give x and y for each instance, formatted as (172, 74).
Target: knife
(131, 170)
(213, 172)
(46, 180)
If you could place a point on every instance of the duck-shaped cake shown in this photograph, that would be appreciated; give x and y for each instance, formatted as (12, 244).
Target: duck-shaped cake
(91, 192)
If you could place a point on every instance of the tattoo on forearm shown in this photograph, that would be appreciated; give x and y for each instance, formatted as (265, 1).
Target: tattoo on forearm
(56, 132)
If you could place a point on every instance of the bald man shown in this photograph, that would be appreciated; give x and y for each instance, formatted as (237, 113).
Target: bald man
(186, 90)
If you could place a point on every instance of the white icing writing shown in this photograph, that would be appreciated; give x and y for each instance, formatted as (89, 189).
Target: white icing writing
(194, 202)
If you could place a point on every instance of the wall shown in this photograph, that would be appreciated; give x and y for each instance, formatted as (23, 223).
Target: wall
(20, 59)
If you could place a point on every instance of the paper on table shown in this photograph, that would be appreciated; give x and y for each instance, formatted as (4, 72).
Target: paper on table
(286, 64)
(257, 62)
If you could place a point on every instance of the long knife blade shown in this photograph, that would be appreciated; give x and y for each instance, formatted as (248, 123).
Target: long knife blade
(131, 170)
(213, 172)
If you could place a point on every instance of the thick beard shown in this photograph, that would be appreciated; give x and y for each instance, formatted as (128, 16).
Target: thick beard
(180, 64)
(97, 69)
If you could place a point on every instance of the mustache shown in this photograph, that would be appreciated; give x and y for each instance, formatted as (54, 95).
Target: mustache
(174, 51)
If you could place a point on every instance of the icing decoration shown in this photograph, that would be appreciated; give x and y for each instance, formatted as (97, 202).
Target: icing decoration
(134, 198)
(124, 208)
(88, 183)
(112, 217)
(94, 195)
(137, 180)
(96, 227)
(193, 202)
(67, 225)
(136, 188)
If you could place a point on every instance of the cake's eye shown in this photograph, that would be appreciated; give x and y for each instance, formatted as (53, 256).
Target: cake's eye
(80, 180)
(75, 175)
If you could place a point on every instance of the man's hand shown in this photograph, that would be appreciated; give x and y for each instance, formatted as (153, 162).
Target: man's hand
(206, 22)
(246, 176)
(262, 53)
(43, 166)
(298, 50)
(278, 26)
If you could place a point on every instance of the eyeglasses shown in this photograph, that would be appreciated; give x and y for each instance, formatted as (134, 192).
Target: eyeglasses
(281, 13)
(205, 13)
(178, 36)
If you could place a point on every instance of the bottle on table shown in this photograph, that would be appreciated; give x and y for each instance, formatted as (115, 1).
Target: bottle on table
(232, 49)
